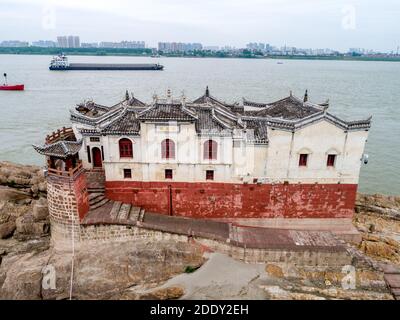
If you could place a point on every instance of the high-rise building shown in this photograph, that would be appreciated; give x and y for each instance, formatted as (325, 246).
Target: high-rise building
(89, 45)
(73, 42)
(169, 47)
(124, 44)
(14, 43)
(62, 42)
(44, 44)
(68, 42)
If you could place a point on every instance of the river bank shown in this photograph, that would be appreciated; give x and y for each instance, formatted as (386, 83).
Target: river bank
(156, 270)
(145, 52)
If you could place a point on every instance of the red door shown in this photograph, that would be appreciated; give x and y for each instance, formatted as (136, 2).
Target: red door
(97, 162)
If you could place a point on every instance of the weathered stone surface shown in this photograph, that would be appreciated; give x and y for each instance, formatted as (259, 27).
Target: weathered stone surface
(14, 173)
(274, 270)
(40, 210)
(27, 228)
(388, 206)
(7, 229)
(381, 247)
(164, 294)
(14, 195)
(378, 219)
(100, 272)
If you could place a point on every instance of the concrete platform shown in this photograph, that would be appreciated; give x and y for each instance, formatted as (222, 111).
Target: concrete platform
(341, 227)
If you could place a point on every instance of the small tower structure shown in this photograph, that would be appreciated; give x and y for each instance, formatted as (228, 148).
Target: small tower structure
(66, 186)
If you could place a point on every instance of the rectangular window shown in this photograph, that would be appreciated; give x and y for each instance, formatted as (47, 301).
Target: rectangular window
(168, 173)
(210, 175)
(94, 139)
(127, 173)
(331, 160)
(303, 160)
(88, 154)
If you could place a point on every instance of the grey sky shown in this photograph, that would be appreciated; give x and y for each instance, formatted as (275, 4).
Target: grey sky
(337, 24)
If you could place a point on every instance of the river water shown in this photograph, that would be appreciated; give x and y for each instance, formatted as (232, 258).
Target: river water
(356, 89)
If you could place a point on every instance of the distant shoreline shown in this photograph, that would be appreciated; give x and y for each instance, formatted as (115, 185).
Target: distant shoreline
(201, 54)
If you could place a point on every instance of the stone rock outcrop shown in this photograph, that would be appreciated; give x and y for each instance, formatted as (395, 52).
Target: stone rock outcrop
(27, 178)
(23, 206)
(100, 272)
(385, 206)
(14, 195)
(24, 221)
(377, 218)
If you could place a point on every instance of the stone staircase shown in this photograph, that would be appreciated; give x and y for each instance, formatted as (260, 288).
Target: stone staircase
(105, 211)
(97, 199)
(95, 180)
(125, 212)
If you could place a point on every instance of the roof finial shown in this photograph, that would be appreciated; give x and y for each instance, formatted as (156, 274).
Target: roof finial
(183, 97)
(127, 95)
(169, 93)
(290, 93)
(207, 92)
(306, 96)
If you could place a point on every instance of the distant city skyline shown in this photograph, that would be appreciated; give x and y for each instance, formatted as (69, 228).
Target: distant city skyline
(335, 24)
(175, 46)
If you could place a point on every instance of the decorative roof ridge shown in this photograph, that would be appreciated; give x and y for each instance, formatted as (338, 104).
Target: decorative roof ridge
(254, 104)
(121, 115)
(353, 124)
(42, 148)
(97, 120)
(189, 112)
(226, 113)
(151, 106)
(220, 121)
(93, 104)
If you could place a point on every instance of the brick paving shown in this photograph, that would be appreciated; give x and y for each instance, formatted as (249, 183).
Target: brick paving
(392, 278)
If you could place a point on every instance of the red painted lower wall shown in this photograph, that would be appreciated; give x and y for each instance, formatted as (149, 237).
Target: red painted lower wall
(225, 200)
(81, 195)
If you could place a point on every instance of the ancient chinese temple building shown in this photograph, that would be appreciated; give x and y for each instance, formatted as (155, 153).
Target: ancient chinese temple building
(284, 163)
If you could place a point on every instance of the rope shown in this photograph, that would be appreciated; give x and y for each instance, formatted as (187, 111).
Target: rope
(72, 262)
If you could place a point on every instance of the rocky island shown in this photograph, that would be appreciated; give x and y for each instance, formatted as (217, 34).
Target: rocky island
(173, 269)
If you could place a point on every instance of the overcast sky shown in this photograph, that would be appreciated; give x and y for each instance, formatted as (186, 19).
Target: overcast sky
(337, 24)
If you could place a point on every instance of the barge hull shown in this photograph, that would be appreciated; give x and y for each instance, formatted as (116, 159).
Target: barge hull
(99, 66)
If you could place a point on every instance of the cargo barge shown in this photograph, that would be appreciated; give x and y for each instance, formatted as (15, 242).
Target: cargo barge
(60, 63)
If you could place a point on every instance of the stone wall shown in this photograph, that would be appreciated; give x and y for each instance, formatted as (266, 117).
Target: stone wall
(68, 202)
(98, 234)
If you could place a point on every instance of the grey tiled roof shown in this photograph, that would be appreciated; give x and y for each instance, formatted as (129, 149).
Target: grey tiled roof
(212, 116)
(125, 124)
(60, 149)
(257, 130)
(207, 122)
(134, 102)
(289, 108)
(208, 98)
(164, 111)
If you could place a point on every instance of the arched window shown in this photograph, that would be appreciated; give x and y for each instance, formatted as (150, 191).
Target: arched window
(168, 149)
(125, 148)
(210, 150)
